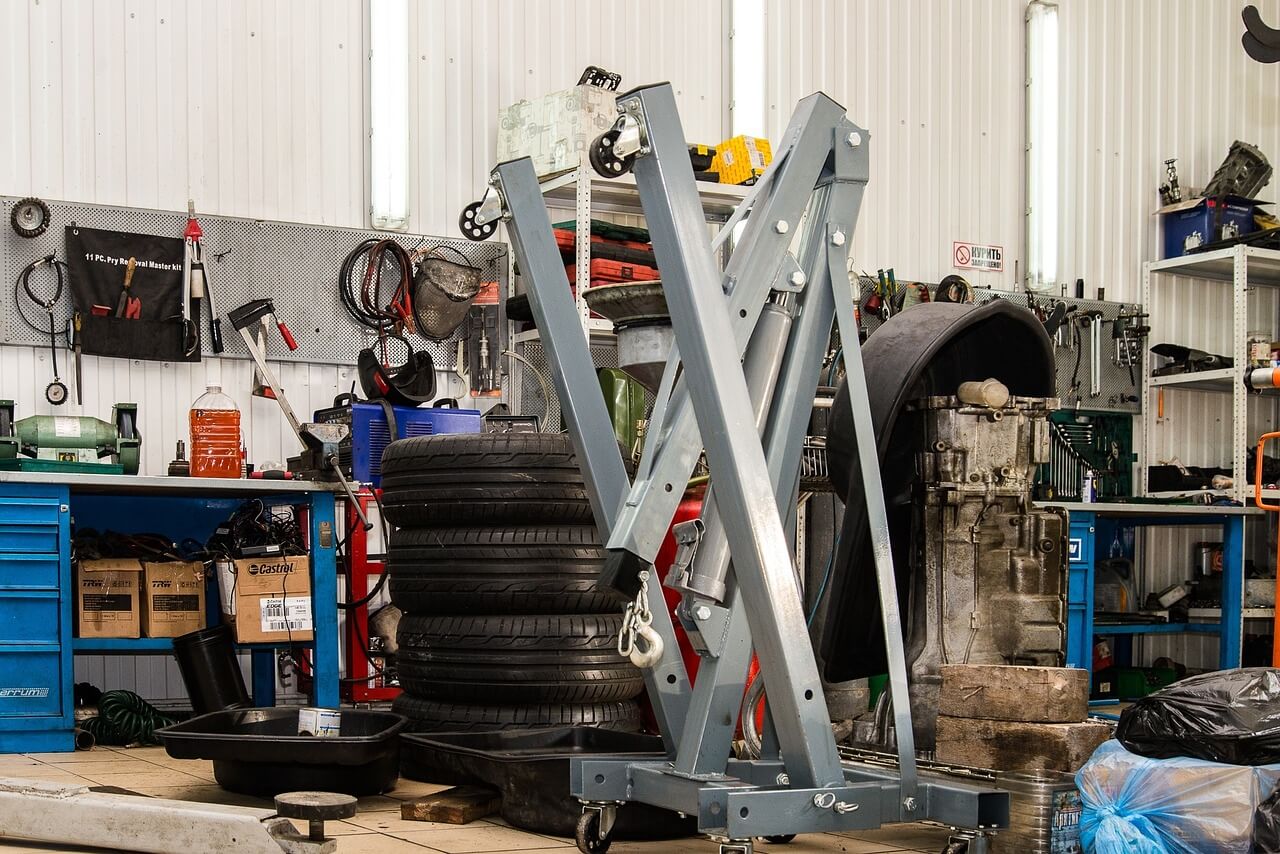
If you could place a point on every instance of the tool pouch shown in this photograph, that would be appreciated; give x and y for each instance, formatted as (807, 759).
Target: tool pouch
(97, 260)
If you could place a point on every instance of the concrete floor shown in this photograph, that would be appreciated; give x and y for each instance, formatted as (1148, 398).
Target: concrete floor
(378, 828)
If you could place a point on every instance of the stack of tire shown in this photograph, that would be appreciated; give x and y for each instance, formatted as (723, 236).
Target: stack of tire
(494, 562)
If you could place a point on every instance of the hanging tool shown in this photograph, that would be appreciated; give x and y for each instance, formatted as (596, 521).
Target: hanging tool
(320, 442)
(56, 392)
(1093, 321)
(30, 217)
(196, 281)
(79, 350)
(129, 306)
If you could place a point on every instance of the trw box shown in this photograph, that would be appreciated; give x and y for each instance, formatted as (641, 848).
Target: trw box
(273, 600)
(172, 598)
(107, 598)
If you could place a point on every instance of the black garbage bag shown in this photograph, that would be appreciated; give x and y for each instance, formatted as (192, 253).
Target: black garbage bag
(1266, 825)
(1230, 716)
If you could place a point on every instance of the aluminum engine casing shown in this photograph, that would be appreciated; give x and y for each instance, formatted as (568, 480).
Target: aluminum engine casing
(989, 579)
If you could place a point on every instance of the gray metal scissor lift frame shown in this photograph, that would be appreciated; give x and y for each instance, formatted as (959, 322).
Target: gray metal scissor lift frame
(740, 383)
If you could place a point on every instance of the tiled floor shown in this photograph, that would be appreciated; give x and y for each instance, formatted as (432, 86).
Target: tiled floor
(378, 828)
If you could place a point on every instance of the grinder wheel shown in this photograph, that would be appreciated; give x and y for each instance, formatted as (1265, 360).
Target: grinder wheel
(30, 217)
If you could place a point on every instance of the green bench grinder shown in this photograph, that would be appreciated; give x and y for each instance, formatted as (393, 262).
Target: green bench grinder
(71, 444)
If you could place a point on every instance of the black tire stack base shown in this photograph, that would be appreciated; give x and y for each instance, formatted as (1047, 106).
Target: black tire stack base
(494, 563)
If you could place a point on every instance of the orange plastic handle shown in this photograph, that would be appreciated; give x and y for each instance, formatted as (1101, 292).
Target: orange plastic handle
(1257, 474)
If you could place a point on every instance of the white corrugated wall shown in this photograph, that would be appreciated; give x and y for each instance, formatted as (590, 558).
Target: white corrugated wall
(939, 86)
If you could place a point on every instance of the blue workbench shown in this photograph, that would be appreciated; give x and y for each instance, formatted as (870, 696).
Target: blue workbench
(36, 598)
(1083, 549)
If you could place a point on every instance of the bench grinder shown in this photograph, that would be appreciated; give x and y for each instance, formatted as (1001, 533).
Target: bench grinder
(71, 444)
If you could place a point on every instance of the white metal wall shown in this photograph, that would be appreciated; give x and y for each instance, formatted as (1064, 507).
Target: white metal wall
(1143, 81)
(939, 86)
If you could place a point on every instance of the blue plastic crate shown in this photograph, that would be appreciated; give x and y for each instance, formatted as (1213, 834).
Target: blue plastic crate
(369, 435)
(1192, 223)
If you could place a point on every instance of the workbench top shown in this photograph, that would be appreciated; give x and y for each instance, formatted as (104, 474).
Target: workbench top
(116, 484)
(1112, 509)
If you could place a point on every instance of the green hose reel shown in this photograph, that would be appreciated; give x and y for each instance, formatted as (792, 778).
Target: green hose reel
(71, 444)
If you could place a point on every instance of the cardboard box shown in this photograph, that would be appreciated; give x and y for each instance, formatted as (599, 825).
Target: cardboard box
(172, 599)
(555, 129)
(742, 159)
(273, 600)
(107, 600)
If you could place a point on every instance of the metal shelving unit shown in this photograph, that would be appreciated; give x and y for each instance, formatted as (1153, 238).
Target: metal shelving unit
(589, 193)
(1237, 271)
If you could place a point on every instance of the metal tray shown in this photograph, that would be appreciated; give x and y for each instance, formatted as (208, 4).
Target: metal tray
(258, 751)
(531, 770)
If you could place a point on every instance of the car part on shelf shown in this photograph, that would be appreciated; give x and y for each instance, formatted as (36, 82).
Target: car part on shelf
(71, 443)
(990, 571)
(783, 324)
(30, 217)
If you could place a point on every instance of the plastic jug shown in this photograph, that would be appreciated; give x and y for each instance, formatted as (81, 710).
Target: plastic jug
(215, 436)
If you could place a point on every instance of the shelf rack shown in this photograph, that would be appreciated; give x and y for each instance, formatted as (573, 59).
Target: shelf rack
(1237, 270)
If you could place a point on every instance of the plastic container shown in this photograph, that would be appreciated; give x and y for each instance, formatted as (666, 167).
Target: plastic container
(207, 661)
(259, 751)
(215, 436)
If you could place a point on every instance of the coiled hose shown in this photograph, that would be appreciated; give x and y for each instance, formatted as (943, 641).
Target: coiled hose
(124, 718)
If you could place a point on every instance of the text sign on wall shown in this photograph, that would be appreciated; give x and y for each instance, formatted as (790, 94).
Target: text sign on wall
(977, 256)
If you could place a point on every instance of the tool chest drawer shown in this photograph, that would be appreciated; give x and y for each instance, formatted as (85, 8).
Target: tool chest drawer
(30, 683)
(29, 617)
(29, 524)
(21, 571)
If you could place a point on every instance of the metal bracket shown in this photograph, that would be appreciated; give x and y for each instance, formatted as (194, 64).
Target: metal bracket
(688, 536)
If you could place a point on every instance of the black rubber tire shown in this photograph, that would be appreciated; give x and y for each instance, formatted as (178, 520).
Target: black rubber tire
(549, 570)
(557, 658)
(483, 478)
(433, 716)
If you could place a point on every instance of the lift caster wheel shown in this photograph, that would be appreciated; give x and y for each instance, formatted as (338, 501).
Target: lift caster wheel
(603, 159)
(471, 229)
(588, 835)
(956, 846)
(780, 839)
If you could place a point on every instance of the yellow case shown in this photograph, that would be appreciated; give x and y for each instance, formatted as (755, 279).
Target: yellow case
(742, 159)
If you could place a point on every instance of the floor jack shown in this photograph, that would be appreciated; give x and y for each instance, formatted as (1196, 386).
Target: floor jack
(740, 383)
(319, 458)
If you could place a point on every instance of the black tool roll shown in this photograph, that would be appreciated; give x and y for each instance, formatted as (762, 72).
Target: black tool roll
(142, 322)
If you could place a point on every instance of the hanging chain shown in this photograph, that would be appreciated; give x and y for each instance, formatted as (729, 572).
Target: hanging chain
(635, 617)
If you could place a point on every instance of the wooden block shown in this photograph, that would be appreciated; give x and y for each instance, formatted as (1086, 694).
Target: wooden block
(1013, 693)
(459, 805)
(1018, 745)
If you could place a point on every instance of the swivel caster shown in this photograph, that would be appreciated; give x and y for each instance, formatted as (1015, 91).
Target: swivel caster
(605, 160)
(737, 846)
(780, 839)
(588, 836)
(473, 230)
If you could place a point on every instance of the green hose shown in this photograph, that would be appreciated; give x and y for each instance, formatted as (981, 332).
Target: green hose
(124, 718)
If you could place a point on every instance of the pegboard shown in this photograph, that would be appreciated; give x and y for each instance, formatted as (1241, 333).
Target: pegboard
(293, 264)
(1116, 382)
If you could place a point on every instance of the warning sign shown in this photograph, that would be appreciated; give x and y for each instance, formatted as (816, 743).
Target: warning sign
(976, 256)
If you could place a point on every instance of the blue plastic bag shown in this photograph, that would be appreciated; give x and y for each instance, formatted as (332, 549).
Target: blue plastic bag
(1137, 805)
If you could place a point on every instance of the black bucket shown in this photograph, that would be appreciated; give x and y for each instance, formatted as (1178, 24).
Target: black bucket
(207, 660)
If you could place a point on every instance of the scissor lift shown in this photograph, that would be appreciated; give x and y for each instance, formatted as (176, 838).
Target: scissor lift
(739, 383)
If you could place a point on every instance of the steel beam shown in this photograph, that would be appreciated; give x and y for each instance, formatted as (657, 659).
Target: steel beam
(711, 364)
(561, 334)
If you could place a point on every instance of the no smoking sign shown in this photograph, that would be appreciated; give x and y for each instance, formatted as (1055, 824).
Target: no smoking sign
(978, 256)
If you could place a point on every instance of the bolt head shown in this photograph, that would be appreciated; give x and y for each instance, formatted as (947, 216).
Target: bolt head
(838, 238)
(783, 779)
(797, 278)
(702, 612)
(854, 139)
(909, 804)
(781, 226)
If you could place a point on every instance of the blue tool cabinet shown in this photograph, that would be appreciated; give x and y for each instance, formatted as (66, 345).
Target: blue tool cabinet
(36, 595)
